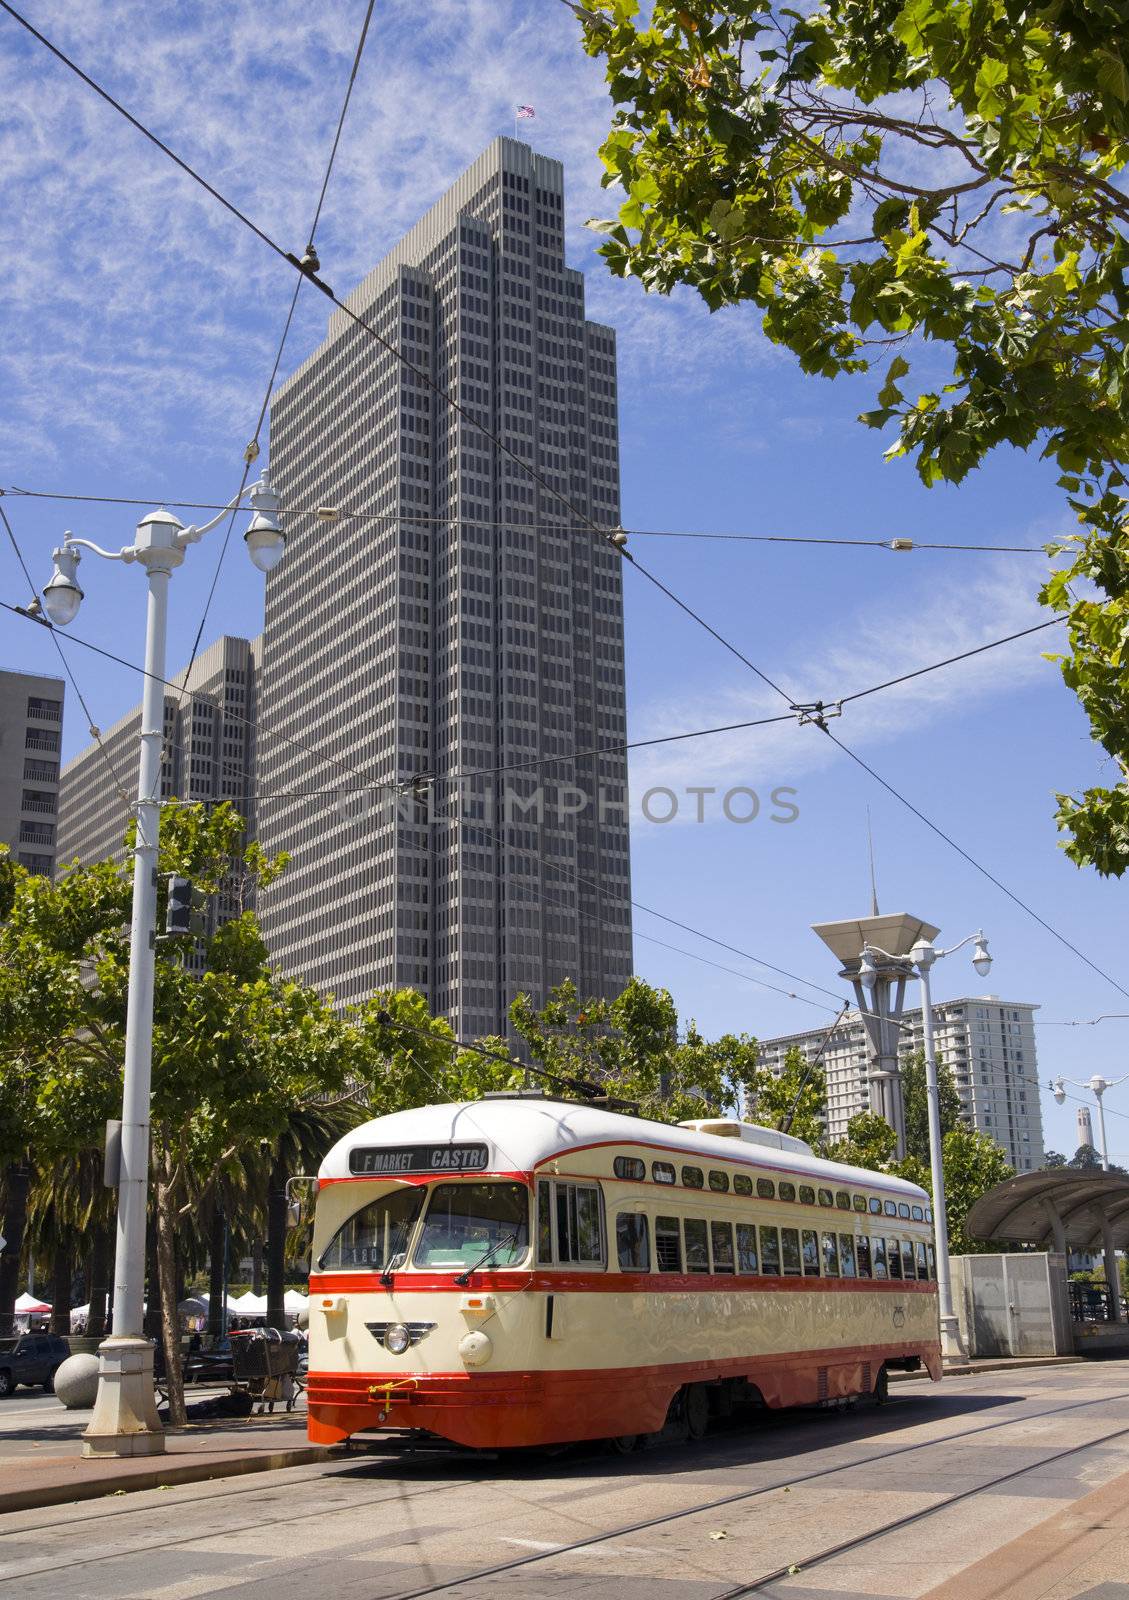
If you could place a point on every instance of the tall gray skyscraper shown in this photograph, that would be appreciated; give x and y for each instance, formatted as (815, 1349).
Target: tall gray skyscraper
(457, 619)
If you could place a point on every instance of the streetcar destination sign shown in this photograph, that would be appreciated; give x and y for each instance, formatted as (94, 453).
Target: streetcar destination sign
(379, 1163)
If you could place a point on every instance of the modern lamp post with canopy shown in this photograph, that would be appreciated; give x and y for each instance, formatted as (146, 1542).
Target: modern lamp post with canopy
(918, 963)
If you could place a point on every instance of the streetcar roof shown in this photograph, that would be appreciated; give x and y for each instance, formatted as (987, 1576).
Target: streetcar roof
(522, 1134)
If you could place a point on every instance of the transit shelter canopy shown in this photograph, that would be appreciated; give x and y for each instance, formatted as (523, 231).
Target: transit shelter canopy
(1023, 1209)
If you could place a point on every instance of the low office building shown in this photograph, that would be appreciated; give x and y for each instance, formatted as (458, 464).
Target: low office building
(31, 735)
(209, 754)
(987, 1044)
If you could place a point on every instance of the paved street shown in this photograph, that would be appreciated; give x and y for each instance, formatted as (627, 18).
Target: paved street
(701, 1521)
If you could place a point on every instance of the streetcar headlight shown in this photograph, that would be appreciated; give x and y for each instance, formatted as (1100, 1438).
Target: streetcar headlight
(476, 1348)
(397, 1339)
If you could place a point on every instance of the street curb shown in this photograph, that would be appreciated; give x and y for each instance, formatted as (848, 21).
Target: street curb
(968, 1370)
(155, 1477)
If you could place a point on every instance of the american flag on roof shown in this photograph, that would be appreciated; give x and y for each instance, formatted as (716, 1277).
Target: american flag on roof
(525, 111)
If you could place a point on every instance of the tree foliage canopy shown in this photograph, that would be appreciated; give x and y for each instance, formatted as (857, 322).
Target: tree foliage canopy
(891, 180)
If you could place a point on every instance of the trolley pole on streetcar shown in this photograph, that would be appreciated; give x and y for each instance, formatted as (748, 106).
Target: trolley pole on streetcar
(920, 961)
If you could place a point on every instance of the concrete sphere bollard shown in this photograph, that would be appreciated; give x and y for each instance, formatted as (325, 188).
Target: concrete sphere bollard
(76, 1382)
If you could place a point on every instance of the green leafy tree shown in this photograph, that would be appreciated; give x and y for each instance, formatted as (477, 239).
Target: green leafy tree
(870, 1143)
(899, 181)
(237, 1052)
(973, 1163)
(916, 1104)
(629, 1048)
(1052, 1160)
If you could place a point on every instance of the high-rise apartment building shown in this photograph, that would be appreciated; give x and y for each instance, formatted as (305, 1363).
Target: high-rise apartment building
(208, 754)
(987, 1044)
(458, 618)
(31, 734)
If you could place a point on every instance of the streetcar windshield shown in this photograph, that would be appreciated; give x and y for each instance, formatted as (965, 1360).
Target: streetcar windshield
(471, 1222)
(377, 1233)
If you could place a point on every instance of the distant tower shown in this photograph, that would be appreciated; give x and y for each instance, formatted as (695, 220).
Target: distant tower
(1085, 1128)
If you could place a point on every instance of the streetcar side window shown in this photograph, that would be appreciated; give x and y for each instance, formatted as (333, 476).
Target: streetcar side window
(579, 1224)
(770, 1251)
(746, 1248)
(662, 1171)
(862, 1252)
(544, 1225)
(847, 1255)
(875, 1207)
(842, 1200)
(889, 1208)
(917, 1213)
(786, 1191)
(859, 1202)
(903, 1210)
(893, 1258)
(908, 1270)
(668, 1244)
(632, 1242)
(742, 1185)
(922, 1264)
(826, 1198)
(811, 1252)
(766, 1189)
(721, 1246)
(807, 1194)
(830, 1256)
(630, 1167)
(692, 1177)
(697, 1244)
(878, 1252)
(719, 1182)
(932, 1262)
(790, 1252)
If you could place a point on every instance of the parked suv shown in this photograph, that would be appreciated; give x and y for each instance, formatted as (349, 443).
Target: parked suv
(32, 1358)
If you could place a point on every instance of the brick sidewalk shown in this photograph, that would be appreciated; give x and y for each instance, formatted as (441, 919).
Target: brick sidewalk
(48, 1468)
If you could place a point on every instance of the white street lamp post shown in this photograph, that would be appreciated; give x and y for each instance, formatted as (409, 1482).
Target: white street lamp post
(1098, 1085)
(125, 1421)
(921, 959)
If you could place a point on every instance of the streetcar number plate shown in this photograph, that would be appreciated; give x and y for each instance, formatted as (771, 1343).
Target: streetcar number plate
(420, 1158)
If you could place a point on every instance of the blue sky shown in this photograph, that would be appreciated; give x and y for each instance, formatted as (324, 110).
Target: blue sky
(140, 323)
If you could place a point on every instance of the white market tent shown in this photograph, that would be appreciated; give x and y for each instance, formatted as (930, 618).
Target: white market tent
(249, 1305)
(294, 1301)
(29, 1305)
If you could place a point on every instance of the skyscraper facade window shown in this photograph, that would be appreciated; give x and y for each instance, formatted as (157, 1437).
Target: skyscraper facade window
(456, 624)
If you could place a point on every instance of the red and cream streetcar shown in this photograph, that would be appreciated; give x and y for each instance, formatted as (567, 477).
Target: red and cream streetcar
(524, 1271)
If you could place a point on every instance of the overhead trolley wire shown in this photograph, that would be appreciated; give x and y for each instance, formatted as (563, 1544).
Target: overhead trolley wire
(309, 270)
(951, 842)
(251, 452)
(343, 513)
(606, 533)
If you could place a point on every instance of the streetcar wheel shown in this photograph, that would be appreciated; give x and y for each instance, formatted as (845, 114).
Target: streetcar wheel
(882, 1387)
(696, 1409)
(623, 1444)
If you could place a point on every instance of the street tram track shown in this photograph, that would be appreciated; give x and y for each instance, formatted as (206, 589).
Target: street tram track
(819, 1557)
(424, 1491)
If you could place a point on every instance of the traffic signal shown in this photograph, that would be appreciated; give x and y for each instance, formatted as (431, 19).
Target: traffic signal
(184, 911)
